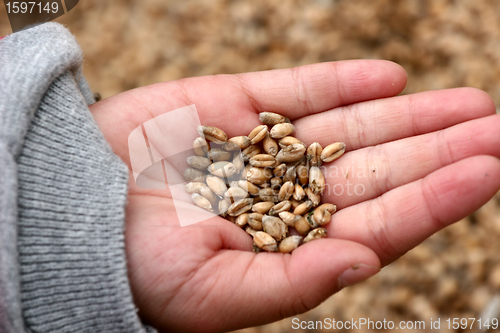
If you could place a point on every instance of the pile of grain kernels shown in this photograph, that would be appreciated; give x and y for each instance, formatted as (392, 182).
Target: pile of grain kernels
(268, 182)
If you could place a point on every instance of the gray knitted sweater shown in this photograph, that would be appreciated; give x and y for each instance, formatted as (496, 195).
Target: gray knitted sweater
(62, 195)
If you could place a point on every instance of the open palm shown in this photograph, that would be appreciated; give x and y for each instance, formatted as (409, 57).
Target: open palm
(414, 164)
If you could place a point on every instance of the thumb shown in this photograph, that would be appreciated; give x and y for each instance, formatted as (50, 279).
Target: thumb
(266, 287)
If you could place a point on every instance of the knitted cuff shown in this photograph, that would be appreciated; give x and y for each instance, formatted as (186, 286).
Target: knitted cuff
(71, 194)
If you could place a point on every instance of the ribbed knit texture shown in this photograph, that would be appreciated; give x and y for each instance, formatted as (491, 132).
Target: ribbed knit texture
(62, 256)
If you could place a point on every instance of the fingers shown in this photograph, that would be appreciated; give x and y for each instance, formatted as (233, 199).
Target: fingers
(375, 122)
(366, 173)
(402, 218)
(232, 101)
(300, 91)
(259, 289)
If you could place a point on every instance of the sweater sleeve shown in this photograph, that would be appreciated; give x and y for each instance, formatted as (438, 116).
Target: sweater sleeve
(62, 196)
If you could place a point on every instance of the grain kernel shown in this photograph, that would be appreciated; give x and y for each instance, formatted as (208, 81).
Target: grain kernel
(194, 175)
(224, 206)
(265, 241)
(274, 227)
(262, 207)
(333, 151)
(222, 169)
(279, 131)
(271, 118)
(258, 134)
(200, 147)
(298, 192)
(217, 185)
(303, 174)
(280, 170)
(249, 187)
(303, 208)
(241, 141)
(262, 160)
(194, 187)
(316, 180)
(291, 153)
(199, 162)
(201, 202)
(288, 218)
(241, 220)
(289, 140)
(255, 221)
(240, 207)
(301, 225)
(286, 191)
(314, 197)
(270, 146)
(218, 155)
(314, 154)
(315, 234)
(289, 244)
(213, 134)
(250, 151)
(236, 193)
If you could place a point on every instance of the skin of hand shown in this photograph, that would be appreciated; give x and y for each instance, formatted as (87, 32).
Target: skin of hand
(428, 160)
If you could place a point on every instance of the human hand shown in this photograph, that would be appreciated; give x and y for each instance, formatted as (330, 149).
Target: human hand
(418, 162)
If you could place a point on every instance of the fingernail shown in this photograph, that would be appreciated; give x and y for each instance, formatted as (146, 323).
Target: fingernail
(355, 274)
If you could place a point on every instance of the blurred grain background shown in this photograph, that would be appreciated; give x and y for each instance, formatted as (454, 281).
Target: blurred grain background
(440, 43)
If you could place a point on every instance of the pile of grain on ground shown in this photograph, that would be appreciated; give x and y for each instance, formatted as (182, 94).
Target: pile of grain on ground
(441, 44)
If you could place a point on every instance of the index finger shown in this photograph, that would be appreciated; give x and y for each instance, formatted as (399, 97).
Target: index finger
(231, 102)
(300, 91)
